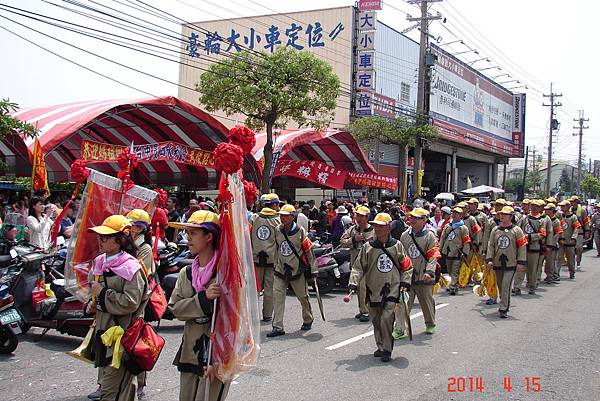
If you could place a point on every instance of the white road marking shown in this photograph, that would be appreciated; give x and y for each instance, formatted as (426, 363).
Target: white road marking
(370, 333)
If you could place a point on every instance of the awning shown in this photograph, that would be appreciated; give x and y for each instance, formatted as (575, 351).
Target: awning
(334, 148)
(121, 122)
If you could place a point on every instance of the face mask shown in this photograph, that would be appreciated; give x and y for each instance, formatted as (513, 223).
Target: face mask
(139, 241)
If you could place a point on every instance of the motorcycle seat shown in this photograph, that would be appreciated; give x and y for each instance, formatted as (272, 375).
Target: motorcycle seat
(5, 260)
(184, 262)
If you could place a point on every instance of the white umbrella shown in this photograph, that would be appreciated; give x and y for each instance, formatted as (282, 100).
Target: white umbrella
(482, 189)
(445, 196)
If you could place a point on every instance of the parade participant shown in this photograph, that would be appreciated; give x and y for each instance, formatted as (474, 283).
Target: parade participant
(475, 231)
(446, 215)
(493, 221)
(478, 229)
(354, 238)
(119, 287)
(294, 256)
(571, 228)
(584, 233)
(595, 226)
(422, 249)
(39, 224)
(192, 303)
(272, 201)
(455, 246)
(264, 225)
(506, 253)
(387, 272)
(142, 236)
(537, 227)
(552, 244)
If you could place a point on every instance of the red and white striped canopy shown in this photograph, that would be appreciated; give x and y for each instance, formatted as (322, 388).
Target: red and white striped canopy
(333, 147)
(121, 122)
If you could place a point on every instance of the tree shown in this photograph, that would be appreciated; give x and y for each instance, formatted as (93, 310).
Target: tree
(591, 186)
(271, 90)
(12, 126)
(513, 185)
(565, 182)
(396, 131)
(533, 181)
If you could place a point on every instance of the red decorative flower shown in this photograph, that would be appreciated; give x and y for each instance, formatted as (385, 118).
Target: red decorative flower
(250, 192)
(161, 199)
(79, 172)
(126, 160)
(243, 137)
(228, 157)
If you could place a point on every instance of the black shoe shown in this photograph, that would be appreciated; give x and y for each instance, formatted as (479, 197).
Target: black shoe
(386, 357)
(363, 318)
(503, 314)
(276, 332)
(358, 315)
(306, 326)
(516, 291)
(453, 291)
(531, 291)
(572, 276)
(267, 319)
(378, 353)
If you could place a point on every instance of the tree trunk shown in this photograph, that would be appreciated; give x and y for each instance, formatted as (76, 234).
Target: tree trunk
(403, 159)
(268, 155)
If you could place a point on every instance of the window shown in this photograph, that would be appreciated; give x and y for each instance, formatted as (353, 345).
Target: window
(405, 92)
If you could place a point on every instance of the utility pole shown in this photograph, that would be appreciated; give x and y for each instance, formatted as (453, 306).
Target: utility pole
(581, 127)
(522, 195)
(422, 83)
(553, 126)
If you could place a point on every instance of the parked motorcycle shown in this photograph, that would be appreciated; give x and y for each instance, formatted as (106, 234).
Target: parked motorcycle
(10, 321)
(334, 268)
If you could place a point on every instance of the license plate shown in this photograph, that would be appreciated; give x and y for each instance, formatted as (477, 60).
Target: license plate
(9, 316)
(336, 272)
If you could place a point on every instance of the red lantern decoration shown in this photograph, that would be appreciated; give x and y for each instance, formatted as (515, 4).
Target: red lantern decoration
(250, 192)
(229, 158)
(243, 137)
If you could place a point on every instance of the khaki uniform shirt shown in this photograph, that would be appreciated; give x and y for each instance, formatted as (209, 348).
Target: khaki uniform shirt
(557, 232)
(571, 228)
(287, 264)
(264, 226)
(425, 239)
(455, 242)
(535, 228)
(507, 248)
(382, 275)
(475, 231)
(348, 240)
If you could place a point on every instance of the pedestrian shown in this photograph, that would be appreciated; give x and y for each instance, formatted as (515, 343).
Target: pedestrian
(397, 226)
(39, 224)
(302, 217)
(387, 272)
(337, 228)
(355, 238)
(294, 261)
(506, 253)
(437, 220)
(192, 302)
(423, 250)
(321, 223)
(193, 207)
(595, 226)
(552, 244)
(455, 246)
(119, 289)
(264, 249)
(571, 228)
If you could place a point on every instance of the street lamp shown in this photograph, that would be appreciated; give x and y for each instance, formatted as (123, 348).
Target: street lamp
(479, 59)
(501, 75)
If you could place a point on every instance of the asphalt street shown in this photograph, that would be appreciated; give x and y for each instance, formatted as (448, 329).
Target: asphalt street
(551, 341)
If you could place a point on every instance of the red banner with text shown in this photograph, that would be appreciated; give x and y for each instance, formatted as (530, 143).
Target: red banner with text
(313, 171)
(373, 180)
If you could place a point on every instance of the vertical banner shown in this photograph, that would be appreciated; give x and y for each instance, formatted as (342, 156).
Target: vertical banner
(364, 61)
(39, 175)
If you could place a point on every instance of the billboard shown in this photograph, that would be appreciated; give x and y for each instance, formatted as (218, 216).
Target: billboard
(472, 109)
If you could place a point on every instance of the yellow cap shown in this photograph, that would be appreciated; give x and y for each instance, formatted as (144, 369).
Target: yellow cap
(419, 212)
(526, 201)
(507, 210)
(458, 210)
(551, 199)
(112, 225)
(538, 202)
(462, 204)
(550, 206)
(500, 201)
(271, 198)
(362, 210)
(473, 200)
(382, 219)
(480, 207)
(198, 219)
(138, 216)
(565, 203)
(287, 210)
(574, 198)
(509, 203)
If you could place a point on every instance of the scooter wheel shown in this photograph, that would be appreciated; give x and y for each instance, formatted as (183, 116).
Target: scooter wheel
(8, 341)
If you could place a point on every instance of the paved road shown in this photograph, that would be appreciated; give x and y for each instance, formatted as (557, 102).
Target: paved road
(553, 336)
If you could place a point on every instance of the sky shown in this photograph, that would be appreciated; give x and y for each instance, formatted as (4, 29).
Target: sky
(535, 41)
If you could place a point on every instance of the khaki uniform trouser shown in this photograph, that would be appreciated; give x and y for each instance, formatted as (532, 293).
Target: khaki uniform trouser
(596, 235)
(534, 263)
(382, 318)
(141, 378)
(279, 294)
(192, 387)
(453, 269)
(569, 253)
(550, 268)
(265, 278)
(117, 384)
(579, 248)
(424, 294)
(504, 280)
(362, 297)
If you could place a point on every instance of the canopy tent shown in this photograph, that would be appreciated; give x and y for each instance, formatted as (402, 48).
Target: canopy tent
(308, 148)
(482, 189)
(145, 121)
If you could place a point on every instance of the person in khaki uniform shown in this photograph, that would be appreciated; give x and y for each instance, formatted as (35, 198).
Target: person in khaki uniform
(535, 226)
(571, 228)
(584, 232)
(293, 247)
(474, 221)
(595, 227)
(264, 248)
(387, 272)
(119, 289)
(552, 245)
(422, 248)
(506, 252)
(192, 302)
(354, 238)
(455, 245)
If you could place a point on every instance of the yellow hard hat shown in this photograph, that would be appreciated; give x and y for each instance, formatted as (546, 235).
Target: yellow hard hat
(551, 199)
(382, 219)
(287, 210)
(462, 204)
(198, 219)
(419, 212)
(500, 201)
(526, 201)
(480, 207)
(507, 210)
(550, 206)
(473, 200)
(139, 216)
(362, 210)
(272, 198)
(538, 202)
(565, 203)
(112, 225)
(458, 210)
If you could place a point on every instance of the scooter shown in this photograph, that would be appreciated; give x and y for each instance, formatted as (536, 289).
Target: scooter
(334, 268)
(10, 321)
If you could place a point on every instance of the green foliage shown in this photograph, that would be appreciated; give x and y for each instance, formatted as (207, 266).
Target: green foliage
(591, 186)
(10, 125)
(565, 182)
(271, 90)
(513, 185)
(399, 131)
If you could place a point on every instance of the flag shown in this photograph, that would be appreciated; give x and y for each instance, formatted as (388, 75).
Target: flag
(39, 176)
